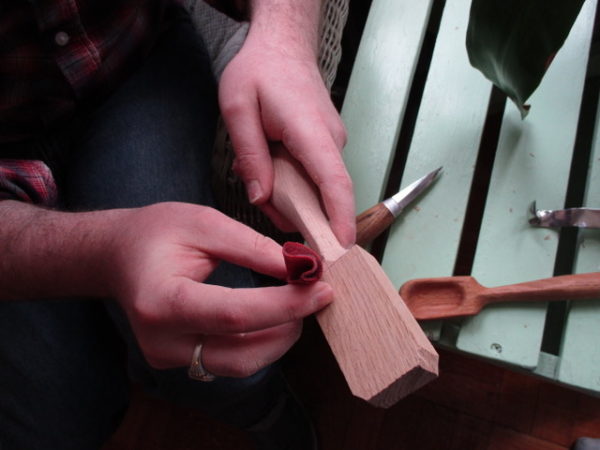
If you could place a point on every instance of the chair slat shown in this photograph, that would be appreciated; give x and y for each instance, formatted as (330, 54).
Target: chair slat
(580, 353)
(378, 91)
(448, 130)
(532, 163)
(447, 133)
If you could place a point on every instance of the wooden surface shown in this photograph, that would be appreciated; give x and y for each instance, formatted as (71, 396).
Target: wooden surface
(378, 344)
(445, 297)
(472, 405)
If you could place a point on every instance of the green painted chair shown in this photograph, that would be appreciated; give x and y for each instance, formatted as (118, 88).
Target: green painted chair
(531, 161)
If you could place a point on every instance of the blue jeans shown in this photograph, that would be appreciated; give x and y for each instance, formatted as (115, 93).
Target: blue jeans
(66, 365)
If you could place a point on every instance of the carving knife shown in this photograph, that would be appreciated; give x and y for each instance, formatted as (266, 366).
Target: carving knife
(374, 220)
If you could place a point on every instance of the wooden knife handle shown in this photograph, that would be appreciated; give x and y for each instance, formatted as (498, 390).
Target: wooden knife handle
(371, 223)
(295, 195)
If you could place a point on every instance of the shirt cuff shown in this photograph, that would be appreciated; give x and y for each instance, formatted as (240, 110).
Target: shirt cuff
(29, 181)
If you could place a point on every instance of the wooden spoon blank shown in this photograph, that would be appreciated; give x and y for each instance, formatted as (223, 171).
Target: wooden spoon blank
(436, 298)
(379, 346)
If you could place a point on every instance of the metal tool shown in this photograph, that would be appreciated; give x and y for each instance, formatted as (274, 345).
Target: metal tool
(373, 221)
(570, 217)
(397, 202)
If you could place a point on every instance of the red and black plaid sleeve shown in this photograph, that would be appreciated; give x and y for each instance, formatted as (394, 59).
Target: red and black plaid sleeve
(57, 54)
(27, 181)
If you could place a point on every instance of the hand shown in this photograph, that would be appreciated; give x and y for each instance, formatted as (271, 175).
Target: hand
(276, 93)
(165, 251)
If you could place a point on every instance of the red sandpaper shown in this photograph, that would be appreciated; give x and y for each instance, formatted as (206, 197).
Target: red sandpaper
(303, 264)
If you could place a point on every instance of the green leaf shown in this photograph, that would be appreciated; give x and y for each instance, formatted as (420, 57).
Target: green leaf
(512, 42)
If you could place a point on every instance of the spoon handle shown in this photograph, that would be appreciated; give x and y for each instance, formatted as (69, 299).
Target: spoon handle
(564, 287)
(297, 198)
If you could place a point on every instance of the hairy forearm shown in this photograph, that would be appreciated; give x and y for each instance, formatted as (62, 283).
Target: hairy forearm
(50, 254)
(291, 23)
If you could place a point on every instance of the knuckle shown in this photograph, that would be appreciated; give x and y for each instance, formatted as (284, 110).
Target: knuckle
(146, 313)
(154, 360)
(242, 371)
(233, 105)
(246, 161)
(246, 367)
(263, 246)
(339, 134)
(177, 301)
(290, 139)
(338, 178)
(206, 216)
(158, 362)
(152, 355)
(230, 319)
(293, 312)
(295, 331)
(344, 181)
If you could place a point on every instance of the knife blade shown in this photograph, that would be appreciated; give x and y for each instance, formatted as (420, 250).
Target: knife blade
(372, 222)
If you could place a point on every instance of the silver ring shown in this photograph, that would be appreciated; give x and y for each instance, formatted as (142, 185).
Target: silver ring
(197, 370)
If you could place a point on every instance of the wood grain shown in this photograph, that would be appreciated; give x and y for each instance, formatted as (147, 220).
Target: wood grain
(472, 405)
(444, 297)
(370, 223)
(380, 348)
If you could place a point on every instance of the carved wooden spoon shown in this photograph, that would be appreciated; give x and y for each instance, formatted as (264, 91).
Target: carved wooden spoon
(436, 298)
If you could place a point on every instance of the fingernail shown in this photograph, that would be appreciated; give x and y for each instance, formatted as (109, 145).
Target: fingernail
(347, 237)
(349, 241)
(254, 191)
(324, 295)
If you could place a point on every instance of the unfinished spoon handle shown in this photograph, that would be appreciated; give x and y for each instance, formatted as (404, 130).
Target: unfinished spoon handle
(564, 287)
(296, 197)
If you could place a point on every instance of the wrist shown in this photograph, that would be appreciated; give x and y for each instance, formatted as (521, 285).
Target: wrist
(100, 234)
(51, 254)
(290, 26)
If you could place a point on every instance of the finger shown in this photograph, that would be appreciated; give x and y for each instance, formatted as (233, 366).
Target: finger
(253, 161)
(279, 220)
(161, 353)
(339, 135)
(235, 355)
(319, 154)
(244, 355)
(239, 244)
(336, 127)
(211, 309)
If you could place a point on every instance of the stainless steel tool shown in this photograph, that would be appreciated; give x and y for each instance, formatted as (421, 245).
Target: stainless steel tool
(570, 217)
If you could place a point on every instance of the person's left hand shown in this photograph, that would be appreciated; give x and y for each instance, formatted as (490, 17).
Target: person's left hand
(276, 93)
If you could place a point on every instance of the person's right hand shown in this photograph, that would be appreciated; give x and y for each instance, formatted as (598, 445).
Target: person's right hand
(272, 92)
(166, 251)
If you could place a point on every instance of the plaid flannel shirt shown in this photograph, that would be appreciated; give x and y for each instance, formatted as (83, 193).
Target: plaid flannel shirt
(27, 181)
(56, 55)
